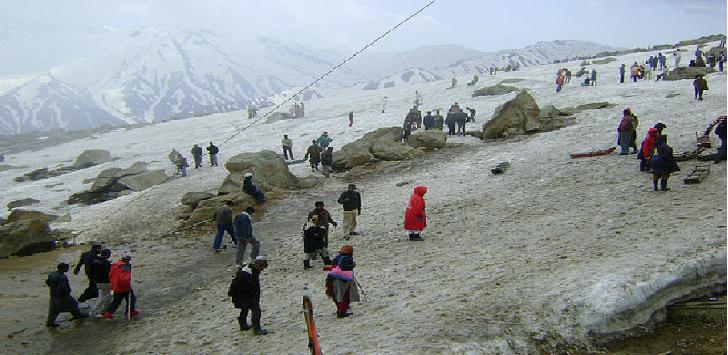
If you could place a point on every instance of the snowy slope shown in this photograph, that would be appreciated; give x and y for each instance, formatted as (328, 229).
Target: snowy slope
(543, 256)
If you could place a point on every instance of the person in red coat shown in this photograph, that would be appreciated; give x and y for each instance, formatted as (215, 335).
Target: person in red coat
(647, 146)
(120, 279)
(415, 219)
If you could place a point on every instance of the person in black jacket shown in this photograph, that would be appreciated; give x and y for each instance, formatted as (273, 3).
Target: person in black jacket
(324, 218)
(61, 299)
(720, 131)
(313, 242)
(99, 273)
(197, 155)
(327, 160)
(351, 201)
(663, 163)
(245, 293)
(86, 259)
(213, 150)
(251, 189)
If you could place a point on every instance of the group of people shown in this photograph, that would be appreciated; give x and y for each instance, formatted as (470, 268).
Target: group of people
(321, 152)
(655, 155)
(103, 279)
(455, 117)
(297, 110)
(180, 162)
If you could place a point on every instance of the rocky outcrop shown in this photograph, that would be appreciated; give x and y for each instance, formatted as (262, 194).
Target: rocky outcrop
(22, 215)
(86, 159)
(495, 90)
(114, 182)
(92, 157)
(205, 209)
(23, 237)
(430, 140)
(22, 203)
(385, 144)
(681, 73)
(268, 169)
(278, 116)
(192, 198)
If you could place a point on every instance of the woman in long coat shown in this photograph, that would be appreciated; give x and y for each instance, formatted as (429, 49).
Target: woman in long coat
(415, 219)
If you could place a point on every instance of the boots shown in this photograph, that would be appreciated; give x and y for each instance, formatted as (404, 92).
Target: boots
(306, 264)
(326, 260)
(663, 185)
(243, 324)
(415, 237)
(342, 314)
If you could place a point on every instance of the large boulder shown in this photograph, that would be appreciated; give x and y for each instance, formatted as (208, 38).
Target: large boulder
(193, 198)
(24, 237)
(205, 210)
(22, 203)
(681, 73)
(496, 90)
(144, 180)
(389, 146)
(92, 157)
(21, 215)
(430, 139)
(520, 115)
(383, 144)
(268, 168)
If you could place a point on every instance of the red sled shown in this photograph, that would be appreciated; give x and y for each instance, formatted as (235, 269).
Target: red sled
(595, 153)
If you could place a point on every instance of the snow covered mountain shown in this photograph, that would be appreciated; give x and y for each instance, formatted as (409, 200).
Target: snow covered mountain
(46, 103)
(159, 73)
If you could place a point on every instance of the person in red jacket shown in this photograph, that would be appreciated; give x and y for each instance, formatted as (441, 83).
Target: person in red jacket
(120, 277)
(647, 146)
(415, 220)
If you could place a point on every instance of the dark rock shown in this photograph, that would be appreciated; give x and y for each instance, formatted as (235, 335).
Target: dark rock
(194, 198)
(494, 90)
(430, 139)
(144, 180)
(522, 115)
(681, 73)
(21, 214)
(22, 203)
(24, 237)
(92, 157)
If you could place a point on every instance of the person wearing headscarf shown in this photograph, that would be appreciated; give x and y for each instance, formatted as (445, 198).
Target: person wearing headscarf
(340, 281)
(415, 219)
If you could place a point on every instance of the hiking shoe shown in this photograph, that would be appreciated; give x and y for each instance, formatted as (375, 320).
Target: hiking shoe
(53, 325)
(108, 315)
(353, 233)
(342, 314)
(260, 331)
(217, 251)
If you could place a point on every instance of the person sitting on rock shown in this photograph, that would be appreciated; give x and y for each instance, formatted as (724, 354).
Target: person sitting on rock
(252, 190)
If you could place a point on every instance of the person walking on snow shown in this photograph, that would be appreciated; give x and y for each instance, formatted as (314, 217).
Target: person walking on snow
(593, 77)
(313, 242)
(340, 282)
(86, 260)
(244, 236)
(351, 118)
(351, 202)
(622, 70)
(287, 147)
(313, 154)
(60, 296)
(213, 150)
(700, 85)
(120, 278)
(663, 163)
(324, 140)
(224, 222)
(415, 219)
(197, 155)
(100, 269)
(245, 293)
(324, 219)
(327, 160)
(625, 133)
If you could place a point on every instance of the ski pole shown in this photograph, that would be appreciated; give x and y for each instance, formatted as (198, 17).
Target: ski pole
(362, 289)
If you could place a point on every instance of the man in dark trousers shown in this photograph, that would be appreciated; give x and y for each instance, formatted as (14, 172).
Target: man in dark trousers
(245, 293)
(197, 155)
(224, 220)
(471, 118)
(100, 269)
(86, 259)
(720, 131)
(244, 235)
(324, 218)
(213, 150)
(314, 155)
(61, 299)
(351, 201)
(120, 279)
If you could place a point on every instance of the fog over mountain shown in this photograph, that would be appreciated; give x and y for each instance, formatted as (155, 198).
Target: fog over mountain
(103, 75)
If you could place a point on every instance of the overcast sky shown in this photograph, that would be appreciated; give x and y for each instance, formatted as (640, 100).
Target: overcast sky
(349, 24)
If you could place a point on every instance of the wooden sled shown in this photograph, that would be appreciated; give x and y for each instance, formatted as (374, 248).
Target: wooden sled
(702, 141)
(697, 174)
(595, 153)
(685, 156)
